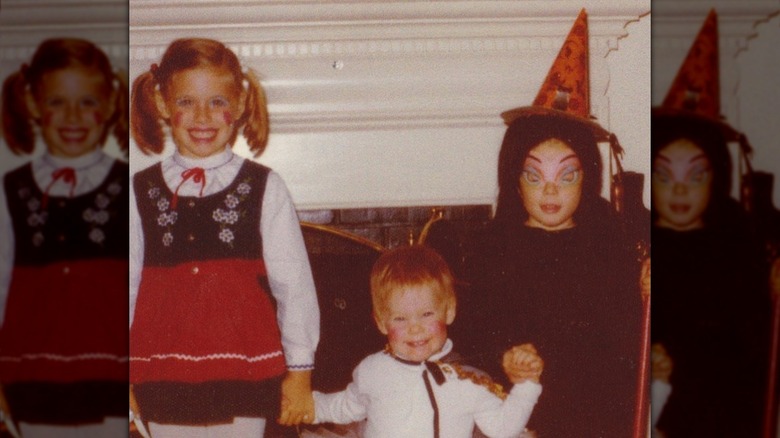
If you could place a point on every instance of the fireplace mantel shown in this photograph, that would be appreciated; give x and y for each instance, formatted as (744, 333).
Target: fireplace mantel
(395, 104)
(330, 56)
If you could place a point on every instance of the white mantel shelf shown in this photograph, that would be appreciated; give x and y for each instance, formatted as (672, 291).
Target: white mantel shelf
(378, 103)
(355, 65)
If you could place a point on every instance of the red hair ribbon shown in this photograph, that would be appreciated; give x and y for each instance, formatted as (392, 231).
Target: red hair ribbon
(67, 175)
(198, 175)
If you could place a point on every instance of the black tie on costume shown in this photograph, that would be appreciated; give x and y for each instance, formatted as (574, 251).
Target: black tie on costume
(436, 372)
(433, 369)
(432, 397)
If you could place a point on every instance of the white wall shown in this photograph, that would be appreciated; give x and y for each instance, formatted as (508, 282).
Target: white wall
(759, 96)
(398, 103)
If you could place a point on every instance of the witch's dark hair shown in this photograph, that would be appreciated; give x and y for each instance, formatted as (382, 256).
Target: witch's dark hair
(709, 137)
(524, 134)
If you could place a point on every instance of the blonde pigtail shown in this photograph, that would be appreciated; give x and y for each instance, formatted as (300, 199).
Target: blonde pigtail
(17, 127)
(256, 113)
(120, 113)
(144, 117)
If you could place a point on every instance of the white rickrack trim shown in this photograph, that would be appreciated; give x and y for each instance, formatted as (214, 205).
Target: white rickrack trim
(63, 358)
(218, 356)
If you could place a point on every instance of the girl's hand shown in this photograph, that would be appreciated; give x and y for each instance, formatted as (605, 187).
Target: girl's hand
(133, 403)
(297, 399)
(661, 363)
(3, 404)
(522, 363)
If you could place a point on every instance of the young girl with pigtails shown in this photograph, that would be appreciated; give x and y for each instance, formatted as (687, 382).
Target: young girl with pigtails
(64, 258)
(224, 320)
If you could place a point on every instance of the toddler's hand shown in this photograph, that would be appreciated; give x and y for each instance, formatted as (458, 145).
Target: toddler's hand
(661, 363)
(522, 363)
(297, 400)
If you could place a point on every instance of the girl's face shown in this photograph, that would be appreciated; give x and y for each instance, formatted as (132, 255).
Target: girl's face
(202, 104)
(551, 185)
(72, 105)
(415, 323)
(681, 185)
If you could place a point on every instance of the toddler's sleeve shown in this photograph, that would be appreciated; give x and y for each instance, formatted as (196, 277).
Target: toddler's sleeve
(343, 407)
(510, 417)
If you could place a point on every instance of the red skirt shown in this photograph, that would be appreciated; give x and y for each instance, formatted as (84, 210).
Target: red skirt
(65, 323)
(203, 321)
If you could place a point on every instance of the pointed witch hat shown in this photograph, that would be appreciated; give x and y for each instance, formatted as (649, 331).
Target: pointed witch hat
(565, 92)
(695, 91)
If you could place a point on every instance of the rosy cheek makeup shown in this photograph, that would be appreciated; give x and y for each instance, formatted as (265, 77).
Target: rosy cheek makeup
(177, 117)
(228, 117)
(394, 334)
(440, 327)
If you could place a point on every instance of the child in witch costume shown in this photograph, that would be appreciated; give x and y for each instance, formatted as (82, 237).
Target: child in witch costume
(710, 277)
(224, 315)
(63, 262)
(417, 387)
(553, 266)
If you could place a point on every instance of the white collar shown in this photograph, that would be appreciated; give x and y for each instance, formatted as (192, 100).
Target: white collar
(210, 162)
(445, 350)
(77, 163)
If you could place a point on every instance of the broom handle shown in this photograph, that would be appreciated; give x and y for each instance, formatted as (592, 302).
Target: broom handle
(642, 405)
(774, 346)
(641, 417)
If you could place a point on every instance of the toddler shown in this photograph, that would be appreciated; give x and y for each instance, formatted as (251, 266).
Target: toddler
(415, 387)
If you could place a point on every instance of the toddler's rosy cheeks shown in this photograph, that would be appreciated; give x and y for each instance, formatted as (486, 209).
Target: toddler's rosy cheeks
(395, 335)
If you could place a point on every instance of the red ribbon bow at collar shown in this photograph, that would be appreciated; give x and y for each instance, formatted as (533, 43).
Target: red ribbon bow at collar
(67, 175)
(198, 176)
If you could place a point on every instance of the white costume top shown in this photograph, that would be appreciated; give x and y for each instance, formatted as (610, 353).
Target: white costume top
(393, 396)
(284, 251)
(90, 170)
(659, 393)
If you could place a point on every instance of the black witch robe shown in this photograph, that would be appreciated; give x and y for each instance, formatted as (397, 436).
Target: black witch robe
(711, 313)
(575, 295)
